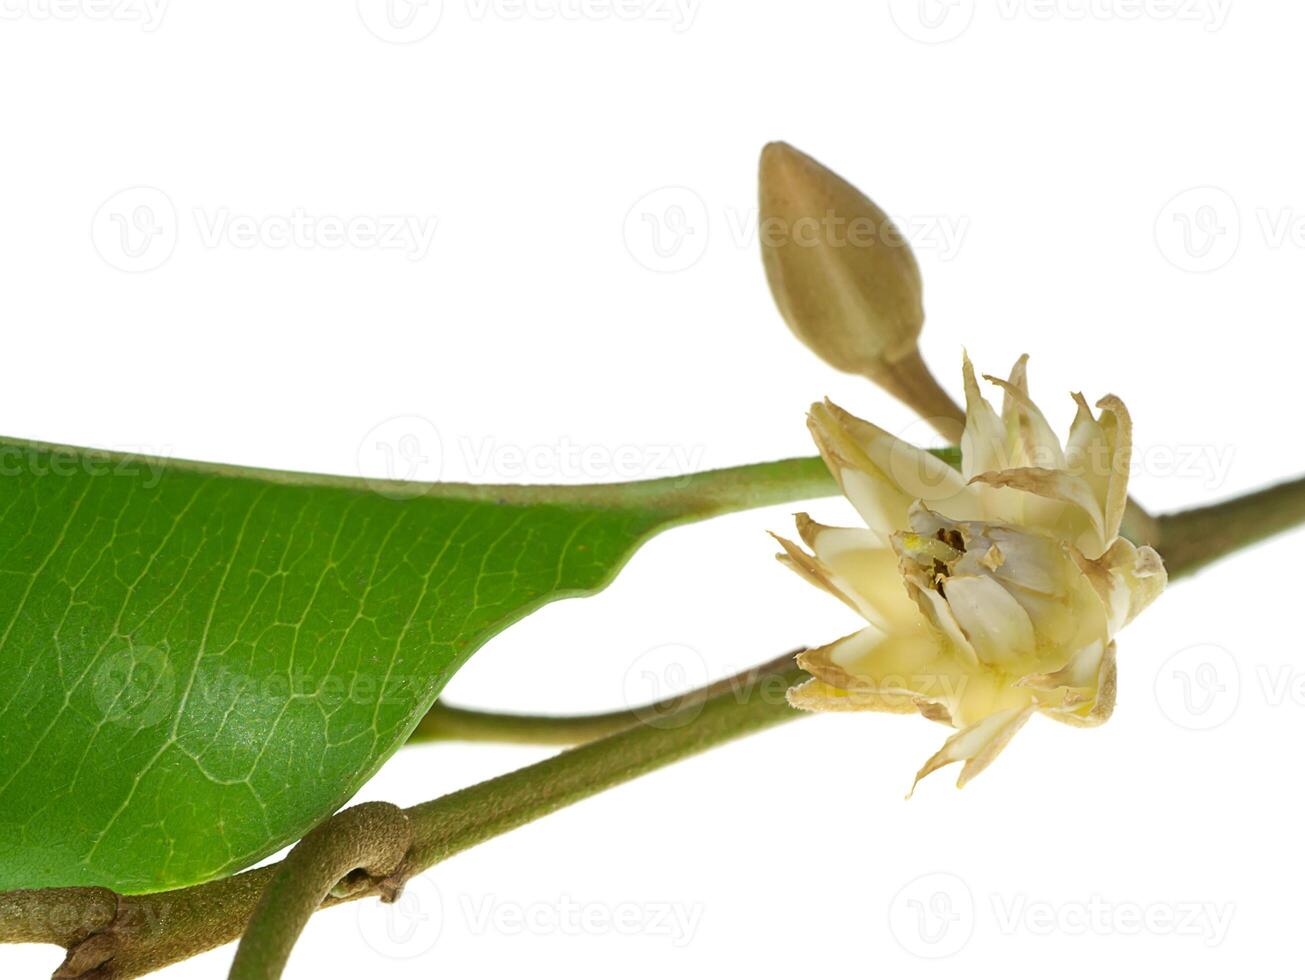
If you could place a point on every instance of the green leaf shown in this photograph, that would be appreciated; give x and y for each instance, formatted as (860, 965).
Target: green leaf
(198, 663)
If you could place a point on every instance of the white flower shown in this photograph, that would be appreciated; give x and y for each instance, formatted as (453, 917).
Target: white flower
(990, 593)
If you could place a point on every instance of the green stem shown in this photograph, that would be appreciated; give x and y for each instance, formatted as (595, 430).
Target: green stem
(701, 495)
(444, 723)
(116, 937)
(1188, 541)
(460, 820)
(1192, 539)
(362, 846)
(147, 932)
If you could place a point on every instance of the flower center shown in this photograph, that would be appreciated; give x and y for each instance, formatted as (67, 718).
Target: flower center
(941, 569)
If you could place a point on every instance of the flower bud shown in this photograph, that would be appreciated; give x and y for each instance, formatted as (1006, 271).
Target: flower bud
(842, 275)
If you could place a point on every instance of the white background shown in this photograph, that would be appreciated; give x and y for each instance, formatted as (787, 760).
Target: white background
(1035, 151)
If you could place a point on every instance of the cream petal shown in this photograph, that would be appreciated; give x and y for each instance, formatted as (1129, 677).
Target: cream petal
(940, 615)
(934, 711)
(1028, 558)
(987, 444)
(995, 623)
(1136, 577)
(900, 663)
(1096, 709)
(921, 552)
(819, 661)
(1039, 442)
(816, 695)
(879, 501)
(857, 561)
(814, 572)
(911, 473)
(1081, 524)
(1118, 427)
(1057, 588)
(1080, 671)
(1098, 452)
(1019, 381)
(977, 745)
(983, 443)
(1063, 623)
(1010, 409)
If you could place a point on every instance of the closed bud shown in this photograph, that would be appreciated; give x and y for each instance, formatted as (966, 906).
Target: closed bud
(842, 274)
